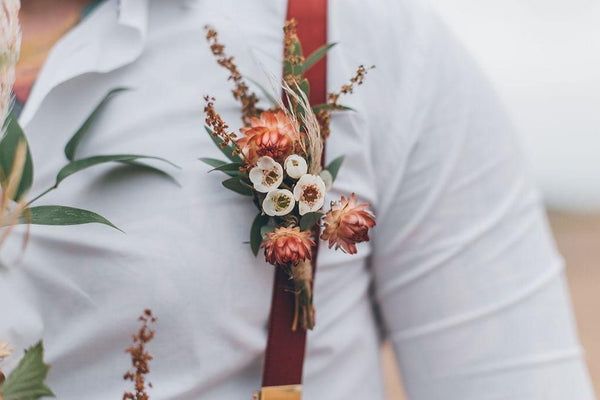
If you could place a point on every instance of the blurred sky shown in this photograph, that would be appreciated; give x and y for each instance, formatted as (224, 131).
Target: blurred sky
(543, 57)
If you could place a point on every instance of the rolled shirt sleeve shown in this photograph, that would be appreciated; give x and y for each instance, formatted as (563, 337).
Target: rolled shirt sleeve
(469, 283)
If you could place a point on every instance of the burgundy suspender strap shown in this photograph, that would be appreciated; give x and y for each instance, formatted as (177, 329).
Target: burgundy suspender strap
(284, 356)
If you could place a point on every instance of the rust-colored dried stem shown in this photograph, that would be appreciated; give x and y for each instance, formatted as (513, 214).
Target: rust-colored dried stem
(140, 359)
(218, 126)
(324, 115)
(241, 92)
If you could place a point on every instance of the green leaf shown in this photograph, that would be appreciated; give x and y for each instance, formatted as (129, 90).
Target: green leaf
(227, 150)
(334, 166)
(267, 94)
(287, 68)
(305, 87)
(231, 169)
(152, 169)
(238, 186)
(61, 215)
(8, 147)
(266, 229)
(71, 146)
(316, 56)
(228, 167)
(213, 162)
(330, 107)
(26, 382)
(256, 237)
(309, 220)
(78, 165)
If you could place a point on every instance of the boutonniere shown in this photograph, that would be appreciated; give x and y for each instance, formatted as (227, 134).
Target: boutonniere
(277, 162)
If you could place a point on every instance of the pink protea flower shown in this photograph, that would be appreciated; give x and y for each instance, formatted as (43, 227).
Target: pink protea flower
(288, 246)
(347, 223)
(274, 134)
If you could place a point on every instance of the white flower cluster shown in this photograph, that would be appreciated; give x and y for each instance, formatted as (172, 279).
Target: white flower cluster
(308, 190)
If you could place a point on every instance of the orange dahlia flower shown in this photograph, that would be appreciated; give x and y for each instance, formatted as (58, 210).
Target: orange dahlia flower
(274, 134)
(288, 246)
(347, 223)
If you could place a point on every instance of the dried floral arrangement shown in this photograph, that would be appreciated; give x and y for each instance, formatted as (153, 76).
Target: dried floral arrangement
(277, 162)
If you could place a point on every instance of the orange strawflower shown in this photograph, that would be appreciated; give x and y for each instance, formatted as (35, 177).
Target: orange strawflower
(347, 223)
(274, 134)
(288, 246)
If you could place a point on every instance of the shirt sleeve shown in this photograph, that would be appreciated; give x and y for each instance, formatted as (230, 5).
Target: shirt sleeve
(467, 278)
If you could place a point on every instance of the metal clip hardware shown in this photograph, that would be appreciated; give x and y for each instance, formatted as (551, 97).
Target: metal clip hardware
(286, 392)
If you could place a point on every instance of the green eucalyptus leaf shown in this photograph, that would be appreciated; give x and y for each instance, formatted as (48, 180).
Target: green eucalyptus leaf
(228, 167)
(309, 220)
(78, 165)
(305, 87)
(316, 56)
(266, 229)
(213, 162)
(8, 147)
(231, 169)
(71, 146)
(26, 382)
(256, 237)
(151, 168)
(267, 94)
(61, 215)
(227, 150)
(287, 68)
(331, 107)
(334, 166)
(237, 185)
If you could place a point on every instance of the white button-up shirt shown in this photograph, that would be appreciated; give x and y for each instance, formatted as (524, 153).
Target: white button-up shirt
(462, 265)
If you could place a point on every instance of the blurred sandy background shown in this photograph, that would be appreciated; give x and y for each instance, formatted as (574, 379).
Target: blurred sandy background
(578, 239)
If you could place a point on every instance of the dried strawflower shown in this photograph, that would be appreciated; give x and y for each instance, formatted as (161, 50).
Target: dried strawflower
(287, 246)
(274, 134)
(241, 91)
(140, 358)
(347, 224)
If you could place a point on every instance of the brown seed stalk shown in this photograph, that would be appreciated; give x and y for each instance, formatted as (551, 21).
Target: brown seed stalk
(241, 91)
(140, 359)
(219, 127)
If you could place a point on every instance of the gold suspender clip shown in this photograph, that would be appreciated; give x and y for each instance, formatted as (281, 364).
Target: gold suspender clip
(287, 392)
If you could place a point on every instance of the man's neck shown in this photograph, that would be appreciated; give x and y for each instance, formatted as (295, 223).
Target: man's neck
(43, 23)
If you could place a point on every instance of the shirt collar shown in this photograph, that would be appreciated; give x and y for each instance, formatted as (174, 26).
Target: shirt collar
(112, 36)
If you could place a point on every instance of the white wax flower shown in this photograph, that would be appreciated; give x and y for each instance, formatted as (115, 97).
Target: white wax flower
(295, 166)
(310, 193)
(278, 202)
(327, 178)
(267, 175)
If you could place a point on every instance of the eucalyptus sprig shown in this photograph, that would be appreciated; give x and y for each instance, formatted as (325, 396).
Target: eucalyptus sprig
(58, 214)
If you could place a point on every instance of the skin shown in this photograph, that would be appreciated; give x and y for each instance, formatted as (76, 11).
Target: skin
(43, 23)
